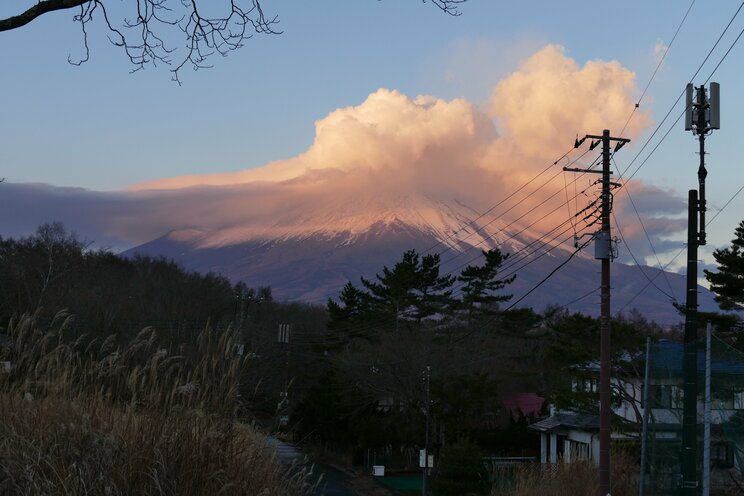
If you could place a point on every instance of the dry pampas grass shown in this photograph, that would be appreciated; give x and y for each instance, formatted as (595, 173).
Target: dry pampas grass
(90, 416)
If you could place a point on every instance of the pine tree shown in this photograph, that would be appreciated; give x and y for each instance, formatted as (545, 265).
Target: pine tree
(433, 292)
(411, 291)
(349, 319)
(480, 285)
(392, 294)
(728, 282)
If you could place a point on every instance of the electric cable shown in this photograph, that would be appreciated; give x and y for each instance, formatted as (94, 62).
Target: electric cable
(666, 116)
(682, 249)
(491, 236)
(645, 232)
(640, 268)
(484, 226)
(550, 274)
(658, 66)
(647, 141)
(492, 208)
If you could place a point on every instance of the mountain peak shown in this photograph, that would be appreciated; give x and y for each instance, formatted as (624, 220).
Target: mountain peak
(448, 222)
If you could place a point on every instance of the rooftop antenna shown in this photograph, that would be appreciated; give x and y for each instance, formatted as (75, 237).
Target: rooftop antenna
(702, 116)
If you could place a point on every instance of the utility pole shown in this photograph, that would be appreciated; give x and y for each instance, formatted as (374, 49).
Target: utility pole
(701, 117)
(425, 475)
(604, 251)
(644, 428)
(283, 338)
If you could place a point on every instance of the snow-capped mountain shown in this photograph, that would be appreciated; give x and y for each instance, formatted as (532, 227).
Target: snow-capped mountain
(398, 172)
(309, 255)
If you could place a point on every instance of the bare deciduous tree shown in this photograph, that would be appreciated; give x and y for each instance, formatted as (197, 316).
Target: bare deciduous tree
(150, 31)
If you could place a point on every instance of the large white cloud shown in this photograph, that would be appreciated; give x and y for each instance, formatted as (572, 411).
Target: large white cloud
(389, 152)
(550, 99)
(388, 132)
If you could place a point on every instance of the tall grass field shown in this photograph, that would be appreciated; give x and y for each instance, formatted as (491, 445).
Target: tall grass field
(91, 416)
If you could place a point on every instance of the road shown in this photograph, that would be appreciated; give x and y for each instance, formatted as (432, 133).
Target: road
(334, 482)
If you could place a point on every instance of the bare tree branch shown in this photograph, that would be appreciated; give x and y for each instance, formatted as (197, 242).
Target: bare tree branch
(151, 35)
(450, 7)
(41, 8)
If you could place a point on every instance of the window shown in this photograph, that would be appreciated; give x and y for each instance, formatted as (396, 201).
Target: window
(665, 396)
(584, 385)
(738, 400)
(579, 451)
(722, 455)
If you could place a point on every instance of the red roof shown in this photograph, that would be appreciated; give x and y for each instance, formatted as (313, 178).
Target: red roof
(527, 404)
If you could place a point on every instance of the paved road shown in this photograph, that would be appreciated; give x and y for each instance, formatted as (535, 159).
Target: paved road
(333, 481)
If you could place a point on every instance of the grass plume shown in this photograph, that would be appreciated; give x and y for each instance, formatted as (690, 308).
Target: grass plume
(84, 415)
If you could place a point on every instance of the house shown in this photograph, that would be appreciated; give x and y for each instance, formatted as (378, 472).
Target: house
(570, 435)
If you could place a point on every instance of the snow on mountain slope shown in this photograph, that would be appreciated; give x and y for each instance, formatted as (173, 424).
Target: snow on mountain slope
(449, 222)
(310, 256)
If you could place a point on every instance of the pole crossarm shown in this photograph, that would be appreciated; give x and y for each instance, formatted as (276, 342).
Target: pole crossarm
(611, 138)
(571, 169)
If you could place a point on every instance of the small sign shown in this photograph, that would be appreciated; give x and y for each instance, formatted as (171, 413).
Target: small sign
(422, 454)
(283, 336)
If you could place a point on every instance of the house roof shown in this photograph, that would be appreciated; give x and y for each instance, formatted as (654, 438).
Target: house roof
(527, 404)
(585, 422)
(667, 357)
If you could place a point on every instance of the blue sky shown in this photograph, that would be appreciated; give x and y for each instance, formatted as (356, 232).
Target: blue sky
(98, 127)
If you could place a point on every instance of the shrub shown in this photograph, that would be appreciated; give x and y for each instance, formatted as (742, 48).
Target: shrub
(571, 479)
(461, 471)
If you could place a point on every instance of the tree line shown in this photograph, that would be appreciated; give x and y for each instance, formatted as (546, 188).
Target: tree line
(350, 375)
(367, 389)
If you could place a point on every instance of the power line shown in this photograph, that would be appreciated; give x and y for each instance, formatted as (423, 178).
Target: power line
(565, 154)
(658, 66)
(505, 273)
(666, 116)
(645, 232)
(492, 208)
(517, 233)
(484, 226)
(726, 204)
(490, 236)
(681, 250)
(650, 281)
(725, 55)
(548, 276)
(585, 295)
(639, 265)
(658, 127)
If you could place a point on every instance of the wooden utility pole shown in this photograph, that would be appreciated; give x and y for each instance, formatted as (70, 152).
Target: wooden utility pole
(425, 475)
(605, 254)
(604, 251)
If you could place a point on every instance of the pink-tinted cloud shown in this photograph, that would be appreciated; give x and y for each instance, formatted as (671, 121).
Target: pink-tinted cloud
(405, 158)
(550, 99)
(388, 132)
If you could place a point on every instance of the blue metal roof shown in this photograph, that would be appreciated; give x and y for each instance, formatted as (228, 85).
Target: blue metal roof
(567, 420)
(667, 356)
